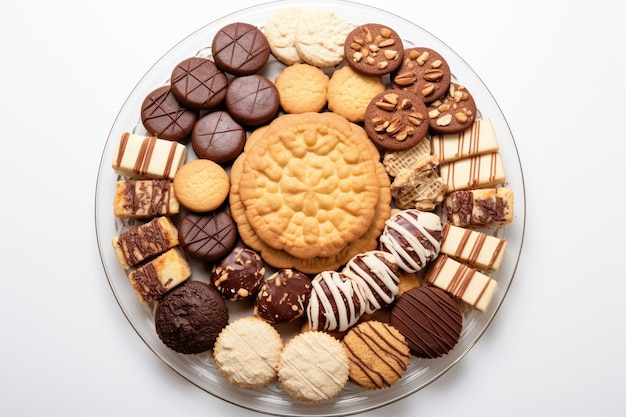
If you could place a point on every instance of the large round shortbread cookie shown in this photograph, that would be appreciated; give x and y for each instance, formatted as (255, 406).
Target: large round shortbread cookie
(310, 185)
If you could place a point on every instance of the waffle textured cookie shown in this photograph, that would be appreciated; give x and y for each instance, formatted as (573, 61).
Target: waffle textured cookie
(310, 186)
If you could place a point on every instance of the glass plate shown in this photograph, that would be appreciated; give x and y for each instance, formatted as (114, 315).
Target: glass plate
(199, 369)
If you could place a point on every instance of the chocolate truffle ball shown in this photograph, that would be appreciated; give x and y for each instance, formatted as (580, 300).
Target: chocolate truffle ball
(283, 296)
(239, 275)
(189, 318)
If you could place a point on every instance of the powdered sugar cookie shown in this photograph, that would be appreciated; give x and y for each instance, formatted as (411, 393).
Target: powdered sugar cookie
(280, 31)
(320, 37)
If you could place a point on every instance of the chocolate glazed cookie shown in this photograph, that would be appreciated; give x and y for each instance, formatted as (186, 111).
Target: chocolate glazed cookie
(252, 100)
(198, 83)
(240, 49)
(164, 117)
(218, 137)
(209, 236)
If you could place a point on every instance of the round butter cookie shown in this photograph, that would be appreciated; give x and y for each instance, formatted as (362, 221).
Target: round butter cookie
(280, 31)
(310, 186)
(313, 367)
(320, 36)
(350, 92)
(379, 354)
(247, 351)
(302, 88)
(201, 185)
(281, 259)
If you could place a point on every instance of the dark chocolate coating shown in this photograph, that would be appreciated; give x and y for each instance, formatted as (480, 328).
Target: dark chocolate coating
(164, 117)
(374, 49)
(459, 102)
(240, 48)
(428, 78)
(218, 137)
(239, 275)
(283, 296)
(411, 125)
(198, 83)
(189, 318)
(207, 236)
(429, 319)
(252, 100)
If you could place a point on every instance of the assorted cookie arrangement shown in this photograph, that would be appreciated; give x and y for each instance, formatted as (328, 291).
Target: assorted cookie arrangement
(353, 197)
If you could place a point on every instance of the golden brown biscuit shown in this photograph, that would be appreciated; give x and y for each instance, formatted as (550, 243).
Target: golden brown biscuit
(310, 186)
(201, 185)
(378, 353)
(302, 88)
(349, 93)
(281, 259)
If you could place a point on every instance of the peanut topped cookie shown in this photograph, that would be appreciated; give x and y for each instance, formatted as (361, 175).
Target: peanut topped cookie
(374, 49)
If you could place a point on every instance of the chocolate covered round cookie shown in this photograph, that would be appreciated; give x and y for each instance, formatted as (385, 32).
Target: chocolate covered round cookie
(374, 49)
(424, 72)
(252, 100)
(207, 236)
(396, 120)
(240, 48)
(189, 318)
(218, 137)
(198, 83)
(165, 117)
(430, 320)
(239, 275)
(283, 296)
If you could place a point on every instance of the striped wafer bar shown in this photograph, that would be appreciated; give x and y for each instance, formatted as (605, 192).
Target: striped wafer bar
(148, 157)
(478, 171)
(478, 139)
(462, 282)
(472, 247)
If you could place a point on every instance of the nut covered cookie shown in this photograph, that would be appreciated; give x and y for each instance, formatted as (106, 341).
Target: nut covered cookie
(396, 120)
(374, 49)
(310, 186)
(424, 72)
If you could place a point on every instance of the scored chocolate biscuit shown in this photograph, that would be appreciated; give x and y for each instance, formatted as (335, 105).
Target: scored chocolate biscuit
(198, 83)
(240, 48)
(252, 99)
(396, 120)
(218, 137)
(164, 117)
(423, 72)
(208, 236)
(374, 49)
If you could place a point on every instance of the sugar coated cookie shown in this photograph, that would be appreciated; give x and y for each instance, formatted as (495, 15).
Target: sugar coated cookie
(313, 367)
(201, 185)
(350, 92)
(320, 36)
(280, 31)
(302, 88)
(247, 351)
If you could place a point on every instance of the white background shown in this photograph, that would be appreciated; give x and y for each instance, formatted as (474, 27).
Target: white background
(557, 345)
